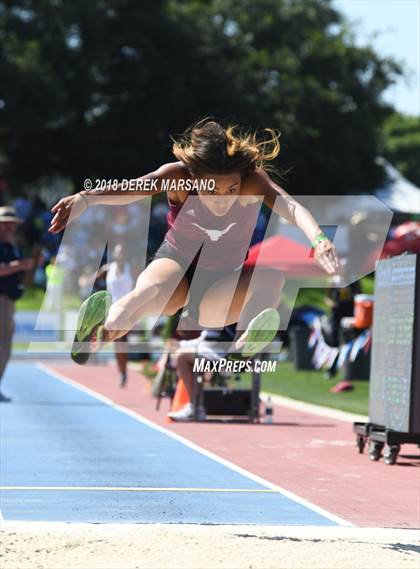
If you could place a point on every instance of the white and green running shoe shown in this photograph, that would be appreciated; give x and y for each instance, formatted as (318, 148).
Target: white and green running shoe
(260, 332)
(92, 315)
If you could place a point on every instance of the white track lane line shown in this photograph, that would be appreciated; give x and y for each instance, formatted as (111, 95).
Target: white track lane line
(197, 448)
(314, 409)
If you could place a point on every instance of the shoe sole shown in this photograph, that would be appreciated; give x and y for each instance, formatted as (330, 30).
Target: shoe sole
(261, 331)
(92, 314)
(181, 419)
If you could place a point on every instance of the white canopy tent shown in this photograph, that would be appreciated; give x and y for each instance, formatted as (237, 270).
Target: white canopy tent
(398, 193)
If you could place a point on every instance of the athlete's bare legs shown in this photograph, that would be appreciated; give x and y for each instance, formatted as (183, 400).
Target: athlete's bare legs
(160, 289)
(250, 298)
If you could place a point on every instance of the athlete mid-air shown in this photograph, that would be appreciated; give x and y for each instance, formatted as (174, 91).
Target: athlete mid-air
(220, 216)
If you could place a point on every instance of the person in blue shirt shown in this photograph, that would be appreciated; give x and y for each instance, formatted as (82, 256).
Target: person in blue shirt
(12, 269)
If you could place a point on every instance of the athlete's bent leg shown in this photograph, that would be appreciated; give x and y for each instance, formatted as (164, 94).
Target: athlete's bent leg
(160, 289)
(217, 309)
(253, 307)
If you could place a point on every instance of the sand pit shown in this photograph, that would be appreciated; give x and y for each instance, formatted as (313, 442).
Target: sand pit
(126, 546)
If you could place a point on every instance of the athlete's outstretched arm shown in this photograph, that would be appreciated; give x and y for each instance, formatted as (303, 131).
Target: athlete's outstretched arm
(259, 182)
(78, 203)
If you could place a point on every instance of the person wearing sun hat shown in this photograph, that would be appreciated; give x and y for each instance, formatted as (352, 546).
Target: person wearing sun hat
(12, 268)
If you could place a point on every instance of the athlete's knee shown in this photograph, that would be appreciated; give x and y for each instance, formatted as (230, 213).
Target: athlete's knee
(213, 316)
(146, 290)
(160, 296)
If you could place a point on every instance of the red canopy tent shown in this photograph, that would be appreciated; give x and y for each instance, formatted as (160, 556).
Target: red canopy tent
(405, 239)
(286, 255)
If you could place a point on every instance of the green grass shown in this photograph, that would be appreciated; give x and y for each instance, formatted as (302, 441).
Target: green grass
(21, 346)
(315, 296)
(368, 285)
(312, 297)
(312, 387)
(33, 298)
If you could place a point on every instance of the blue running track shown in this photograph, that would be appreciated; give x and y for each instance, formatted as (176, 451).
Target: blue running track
(70, 443)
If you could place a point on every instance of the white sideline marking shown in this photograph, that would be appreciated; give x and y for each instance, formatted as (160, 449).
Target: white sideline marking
(315, 409)
(197, 448)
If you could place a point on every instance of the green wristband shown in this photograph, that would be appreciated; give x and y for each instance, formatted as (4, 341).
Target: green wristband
(318, 239)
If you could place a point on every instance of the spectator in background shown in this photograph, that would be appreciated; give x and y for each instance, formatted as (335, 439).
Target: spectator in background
(119, 282)
(33, 229)
(341, 303)
(23, 207)
(207, 346)
(12, 269)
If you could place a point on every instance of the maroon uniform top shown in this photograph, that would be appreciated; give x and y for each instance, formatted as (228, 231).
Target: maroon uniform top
(225, 239)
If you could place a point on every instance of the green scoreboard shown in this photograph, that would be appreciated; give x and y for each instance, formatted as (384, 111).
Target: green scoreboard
(394, 396)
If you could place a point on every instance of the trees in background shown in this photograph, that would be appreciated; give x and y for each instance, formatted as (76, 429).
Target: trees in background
(95, 89)
(401, 145)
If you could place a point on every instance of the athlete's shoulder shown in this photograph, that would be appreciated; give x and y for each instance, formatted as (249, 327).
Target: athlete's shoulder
(173, 171)
(255, 182)
(259, 183)
(253, 187)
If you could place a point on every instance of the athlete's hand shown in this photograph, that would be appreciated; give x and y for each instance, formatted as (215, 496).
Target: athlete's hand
(74, 205)
(326, 256)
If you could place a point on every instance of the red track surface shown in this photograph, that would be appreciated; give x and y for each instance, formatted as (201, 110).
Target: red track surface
(313, 456)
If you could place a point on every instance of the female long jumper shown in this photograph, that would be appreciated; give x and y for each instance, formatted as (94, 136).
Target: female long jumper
(214, 190)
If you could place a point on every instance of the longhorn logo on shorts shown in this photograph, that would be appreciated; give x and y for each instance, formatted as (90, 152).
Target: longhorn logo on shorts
(215, 234)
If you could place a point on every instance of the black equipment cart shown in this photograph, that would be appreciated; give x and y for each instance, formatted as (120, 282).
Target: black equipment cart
(223, 399)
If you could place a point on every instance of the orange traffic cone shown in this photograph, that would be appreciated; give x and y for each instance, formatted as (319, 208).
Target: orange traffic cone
(181, 397)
